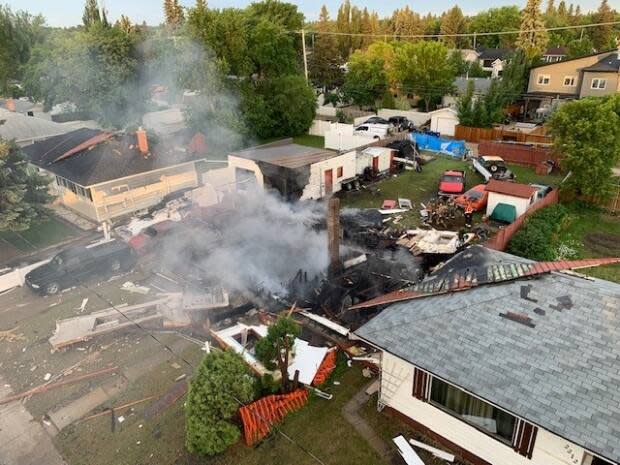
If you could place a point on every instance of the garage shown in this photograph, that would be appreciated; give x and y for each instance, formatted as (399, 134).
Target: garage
(444, 121)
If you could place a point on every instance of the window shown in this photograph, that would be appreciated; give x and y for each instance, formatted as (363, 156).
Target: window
(598, 83)
(543, 79)
(339, 172)
(76, 189)
(474, 411)
(569, 81)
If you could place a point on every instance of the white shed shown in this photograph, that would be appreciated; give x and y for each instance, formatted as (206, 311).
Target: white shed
(297, 172)
(444, 121)
(519, 196)
(377, 158)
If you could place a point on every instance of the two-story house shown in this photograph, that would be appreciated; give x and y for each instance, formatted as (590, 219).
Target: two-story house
(593, 75)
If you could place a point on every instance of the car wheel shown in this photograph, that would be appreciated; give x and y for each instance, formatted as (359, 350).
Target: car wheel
(52, 288)
(493, 168)
(116, 265)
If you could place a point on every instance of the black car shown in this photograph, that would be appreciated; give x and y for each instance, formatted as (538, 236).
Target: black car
(377, 120)
(75, 265)
(401, 123)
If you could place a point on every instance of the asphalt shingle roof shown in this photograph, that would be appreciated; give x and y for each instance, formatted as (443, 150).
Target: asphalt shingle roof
(608, 64)
(563, 374)
(116, 158)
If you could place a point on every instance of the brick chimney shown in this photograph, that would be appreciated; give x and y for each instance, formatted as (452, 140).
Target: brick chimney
(333, 235)
(143, 141)
(10, 104)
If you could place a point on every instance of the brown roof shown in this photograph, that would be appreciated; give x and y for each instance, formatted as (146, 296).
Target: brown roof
(511, 188)
(286, 154)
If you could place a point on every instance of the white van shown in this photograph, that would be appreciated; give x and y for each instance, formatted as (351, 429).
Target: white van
(374, 131)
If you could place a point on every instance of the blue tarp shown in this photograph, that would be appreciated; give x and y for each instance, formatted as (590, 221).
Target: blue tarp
(455, 148)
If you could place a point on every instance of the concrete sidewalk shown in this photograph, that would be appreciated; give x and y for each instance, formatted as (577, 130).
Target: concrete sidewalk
(23, 441)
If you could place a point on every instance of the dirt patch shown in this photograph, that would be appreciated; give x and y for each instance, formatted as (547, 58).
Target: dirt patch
(603, 243)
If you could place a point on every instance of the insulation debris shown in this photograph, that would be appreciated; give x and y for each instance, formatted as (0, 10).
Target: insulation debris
(131, 287)
(424, 241)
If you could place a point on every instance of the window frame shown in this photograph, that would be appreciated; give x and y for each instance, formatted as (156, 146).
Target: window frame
(540, 79)
(340, 172)
(572, 79)
(497, 437)
(598, 82)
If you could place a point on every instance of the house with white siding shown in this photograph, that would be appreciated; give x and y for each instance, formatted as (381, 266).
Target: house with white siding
(514, 372)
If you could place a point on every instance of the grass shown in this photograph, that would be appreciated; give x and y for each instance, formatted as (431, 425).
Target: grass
(310, 141)
(40, 235)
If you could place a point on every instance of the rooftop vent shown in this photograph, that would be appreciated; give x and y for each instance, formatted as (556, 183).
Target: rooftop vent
(518, 318)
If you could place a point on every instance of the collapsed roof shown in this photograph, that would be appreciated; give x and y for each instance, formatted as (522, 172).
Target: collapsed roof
(286, 154)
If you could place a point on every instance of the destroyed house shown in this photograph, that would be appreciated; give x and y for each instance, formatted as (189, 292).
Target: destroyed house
(296, 171)
(104, 176)
(513, 371)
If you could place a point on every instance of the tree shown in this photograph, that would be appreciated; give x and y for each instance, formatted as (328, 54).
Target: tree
(532, 40)
(124, 24)
(274, 349)
(23, 192)
(585, 133)
(506, 18)
(579, 48)
(367, 77)
(91, 14)
(602, 36)
(406, 22)
(220, 384)
(325, 61)
(465, 106)
(423, 67)
(285, 15)
(550, 11)
(453, 22)
(271, 49)
(173, 13)
(343, 25)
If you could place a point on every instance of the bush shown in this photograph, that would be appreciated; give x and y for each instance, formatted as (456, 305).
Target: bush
(538, 237)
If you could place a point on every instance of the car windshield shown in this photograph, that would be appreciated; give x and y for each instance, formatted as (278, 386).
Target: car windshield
(474, 195)
(451, 178)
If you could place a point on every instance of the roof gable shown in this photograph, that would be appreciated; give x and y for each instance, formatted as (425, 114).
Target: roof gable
(513, 189)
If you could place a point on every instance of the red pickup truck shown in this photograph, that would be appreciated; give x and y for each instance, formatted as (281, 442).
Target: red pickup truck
(452, 182)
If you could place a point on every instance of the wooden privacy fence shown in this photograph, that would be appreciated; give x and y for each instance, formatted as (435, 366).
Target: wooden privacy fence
(502, 238)
(519, 154)
(476, 135)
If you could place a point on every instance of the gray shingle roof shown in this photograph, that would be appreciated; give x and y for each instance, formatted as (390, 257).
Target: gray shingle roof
(563, 374)
(608, 64)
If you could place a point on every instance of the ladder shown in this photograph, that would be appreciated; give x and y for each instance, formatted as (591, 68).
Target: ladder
(391, 380)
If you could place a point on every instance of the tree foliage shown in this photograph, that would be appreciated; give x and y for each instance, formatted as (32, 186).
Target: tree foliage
(221, 382)
(23, 192)
(325, 61)
(602, 36)
(531, 39)
(173, 13)
(274, 349)
(367, 77)
(423, 67)
(579, 48)
(453, 22)
(585, 133)
(506, 18)
(538, 236)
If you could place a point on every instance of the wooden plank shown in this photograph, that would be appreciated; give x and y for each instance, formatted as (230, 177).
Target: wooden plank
(436, 452)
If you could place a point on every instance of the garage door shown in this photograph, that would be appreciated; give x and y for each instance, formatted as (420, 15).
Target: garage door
(445, 126)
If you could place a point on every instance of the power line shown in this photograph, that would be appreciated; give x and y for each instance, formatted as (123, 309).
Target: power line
(463, 34)
(188, 363)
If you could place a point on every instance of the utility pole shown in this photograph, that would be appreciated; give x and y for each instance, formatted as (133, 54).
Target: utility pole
(303, 47)
(474, 41)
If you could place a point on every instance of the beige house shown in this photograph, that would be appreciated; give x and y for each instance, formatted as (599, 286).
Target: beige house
(588, 76)
(104, 176)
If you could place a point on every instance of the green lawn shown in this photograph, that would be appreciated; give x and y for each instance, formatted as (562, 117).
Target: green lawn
(593, 233)
(311, 141)
(40, 235)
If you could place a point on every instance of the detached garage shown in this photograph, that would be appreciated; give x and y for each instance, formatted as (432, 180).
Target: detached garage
(444, 121)
(509, 200)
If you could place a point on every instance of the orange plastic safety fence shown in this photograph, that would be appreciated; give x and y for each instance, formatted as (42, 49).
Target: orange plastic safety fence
(325, 369)
(259, 416)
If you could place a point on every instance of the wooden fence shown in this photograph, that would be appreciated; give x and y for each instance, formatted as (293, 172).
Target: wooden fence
(470, 134)
(519, 154)
(502, 238)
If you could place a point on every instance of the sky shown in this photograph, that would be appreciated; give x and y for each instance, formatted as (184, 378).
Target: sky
(69, 12)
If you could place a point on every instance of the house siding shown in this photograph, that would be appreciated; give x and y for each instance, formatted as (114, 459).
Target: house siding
(316, 189)
(549, 448)
(556, 73)
(612, 86)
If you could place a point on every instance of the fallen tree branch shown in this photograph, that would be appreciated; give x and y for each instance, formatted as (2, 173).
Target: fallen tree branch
(120, 407)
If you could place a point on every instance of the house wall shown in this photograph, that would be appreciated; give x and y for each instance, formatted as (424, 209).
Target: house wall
(549, 448)
(520, 204)
(557, 72)
(612, 86)
(444, 121)
(125, 196)
(364, 160)
(316, 189)
(250, 165)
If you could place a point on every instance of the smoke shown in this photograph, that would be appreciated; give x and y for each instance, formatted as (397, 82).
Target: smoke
(257, 246)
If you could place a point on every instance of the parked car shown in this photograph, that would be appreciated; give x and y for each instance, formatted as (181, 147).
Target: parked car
(493, 168)
(476, 197)
(377, 120)
(77, 264)
(401, 123)
(146, 240)
(374, 131)
(452, 183)
(542, 191)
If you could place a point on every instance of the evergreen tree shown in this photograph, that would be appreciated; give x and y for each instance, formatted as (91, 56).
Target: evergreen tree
(325, 61)
(221, 382)
(562, 10)
(343, 24)
(274, 349)
(91, 14)
(453, 22)
(23, 193)
(550, 11)
(124, 24)
(406, 22)
(532, 40)
(602, 35)
(173, 13)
